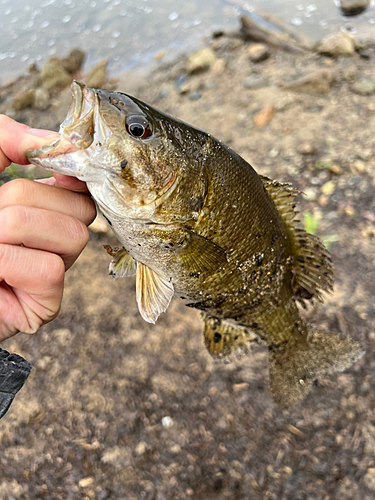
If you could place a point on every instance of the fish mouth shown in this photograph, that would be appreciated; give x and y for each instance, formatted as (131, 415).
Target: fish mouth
(76, 134)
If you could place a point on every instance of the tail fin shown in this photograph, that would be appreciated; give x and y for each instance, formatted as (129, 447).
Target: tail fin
(293, 370)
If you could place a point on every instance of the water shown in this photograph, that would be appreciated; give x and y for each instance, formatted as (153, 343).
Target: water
(129, 32)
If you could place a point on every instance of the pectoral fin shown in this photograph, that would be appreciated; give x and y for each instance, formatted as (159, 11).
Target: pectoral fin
(154, 293)
(223, 339)
(122, 264)
(199, 255)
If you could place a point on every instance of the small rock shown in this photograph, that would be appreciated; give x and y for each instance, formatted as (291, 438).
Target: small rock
(254, 82)
(23, 100)
(310, 193)
(86, 481)
(369, 480)
(201, 61)
(340, 44)
(354, 7)
(364, 53)
(98, 76)
(359, 167)
(323, 200)
(195, 96)
(316, 82)
(166, 422)
(141, 448)
(328, 188)
(219, 66)
(335, 169)
(263, 118)
(53, 75)
(306, 148)
(42, 99)
(185, 88)
(258, 52)
(364, 87)
(160, 55)
(175, 449)
(120, 457)
(349, 211)
(74, 61)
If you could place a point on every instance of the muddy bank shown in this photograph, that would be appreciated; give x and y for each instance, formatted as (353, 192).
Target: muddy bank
(119, 409)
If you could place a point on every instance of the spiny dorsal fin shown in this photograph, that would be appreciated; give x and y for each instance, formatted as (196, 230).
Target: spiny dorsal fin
(283, 195)
(313, 269)
(198, 255)
(153, 294)
(223, 339)
(122, 264)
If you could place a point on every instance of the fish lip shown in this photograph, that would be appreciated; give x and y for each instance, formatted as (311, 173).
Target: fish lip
(62, 145)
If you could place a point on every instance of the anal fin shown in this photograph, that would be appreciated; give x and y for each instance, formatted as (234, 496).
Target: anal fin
(153, 294)
(223, 339)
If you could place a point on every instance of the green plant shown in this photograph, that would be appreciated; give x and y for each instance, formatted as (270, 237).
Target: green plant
(311, 225)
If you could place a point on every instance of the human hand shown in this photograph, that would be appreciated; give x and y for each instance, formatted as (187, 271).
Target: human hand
(42, 232)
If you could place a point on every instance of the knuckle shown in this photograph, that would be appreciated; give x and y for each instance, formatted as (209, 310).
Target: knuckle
(53, 271)
(12, 220)
(15, 192)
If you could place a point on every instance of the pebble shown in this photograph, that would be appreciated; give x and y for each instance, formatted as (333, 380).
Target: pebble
(23, 100)
(360, 167)
(306, 148)
(354, 7)
(323, 200)
(201, 61)
(258, 52)
(98, 76)
(335, 169)
(369, 480)
(254, 82)
(349, 211)
(264, 116)
(86, 481)
(219, 66)
(364, 87)
(141, 448)
(310, 193)
(195, 96)
(42, 99)
(339, 44)
(314, 82)
(166, 422)
(328, 188)
(53, 76)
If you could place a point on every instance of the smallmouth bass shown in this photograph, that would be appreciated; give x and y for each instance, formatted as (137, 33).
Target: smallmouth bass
(196, 220)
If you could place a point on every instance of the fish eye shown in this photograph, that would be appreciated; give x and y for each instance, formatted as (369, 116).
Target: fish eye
(138, 127)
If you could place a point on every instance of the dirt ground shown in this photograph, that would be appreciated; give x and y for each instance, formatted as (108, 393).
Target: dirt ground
(119, 409)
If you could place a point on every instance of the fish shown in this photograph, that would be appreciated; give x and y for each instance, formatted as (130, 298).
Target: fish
(196, 220)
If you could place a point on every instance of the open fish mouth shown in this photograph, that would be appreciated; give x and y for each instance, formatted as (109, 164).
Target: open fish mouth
(77, 134)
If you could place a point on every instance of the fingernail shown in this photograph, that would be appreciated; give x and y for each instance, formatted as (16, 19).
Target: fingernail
(38, 132)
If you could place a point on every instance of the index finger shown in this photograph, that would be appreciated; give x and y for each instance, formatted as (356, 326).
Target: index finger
(16, 139)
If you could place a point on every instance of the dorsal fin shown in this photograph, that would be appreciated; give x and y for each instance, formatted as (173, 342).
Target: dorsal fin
(313, 269)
